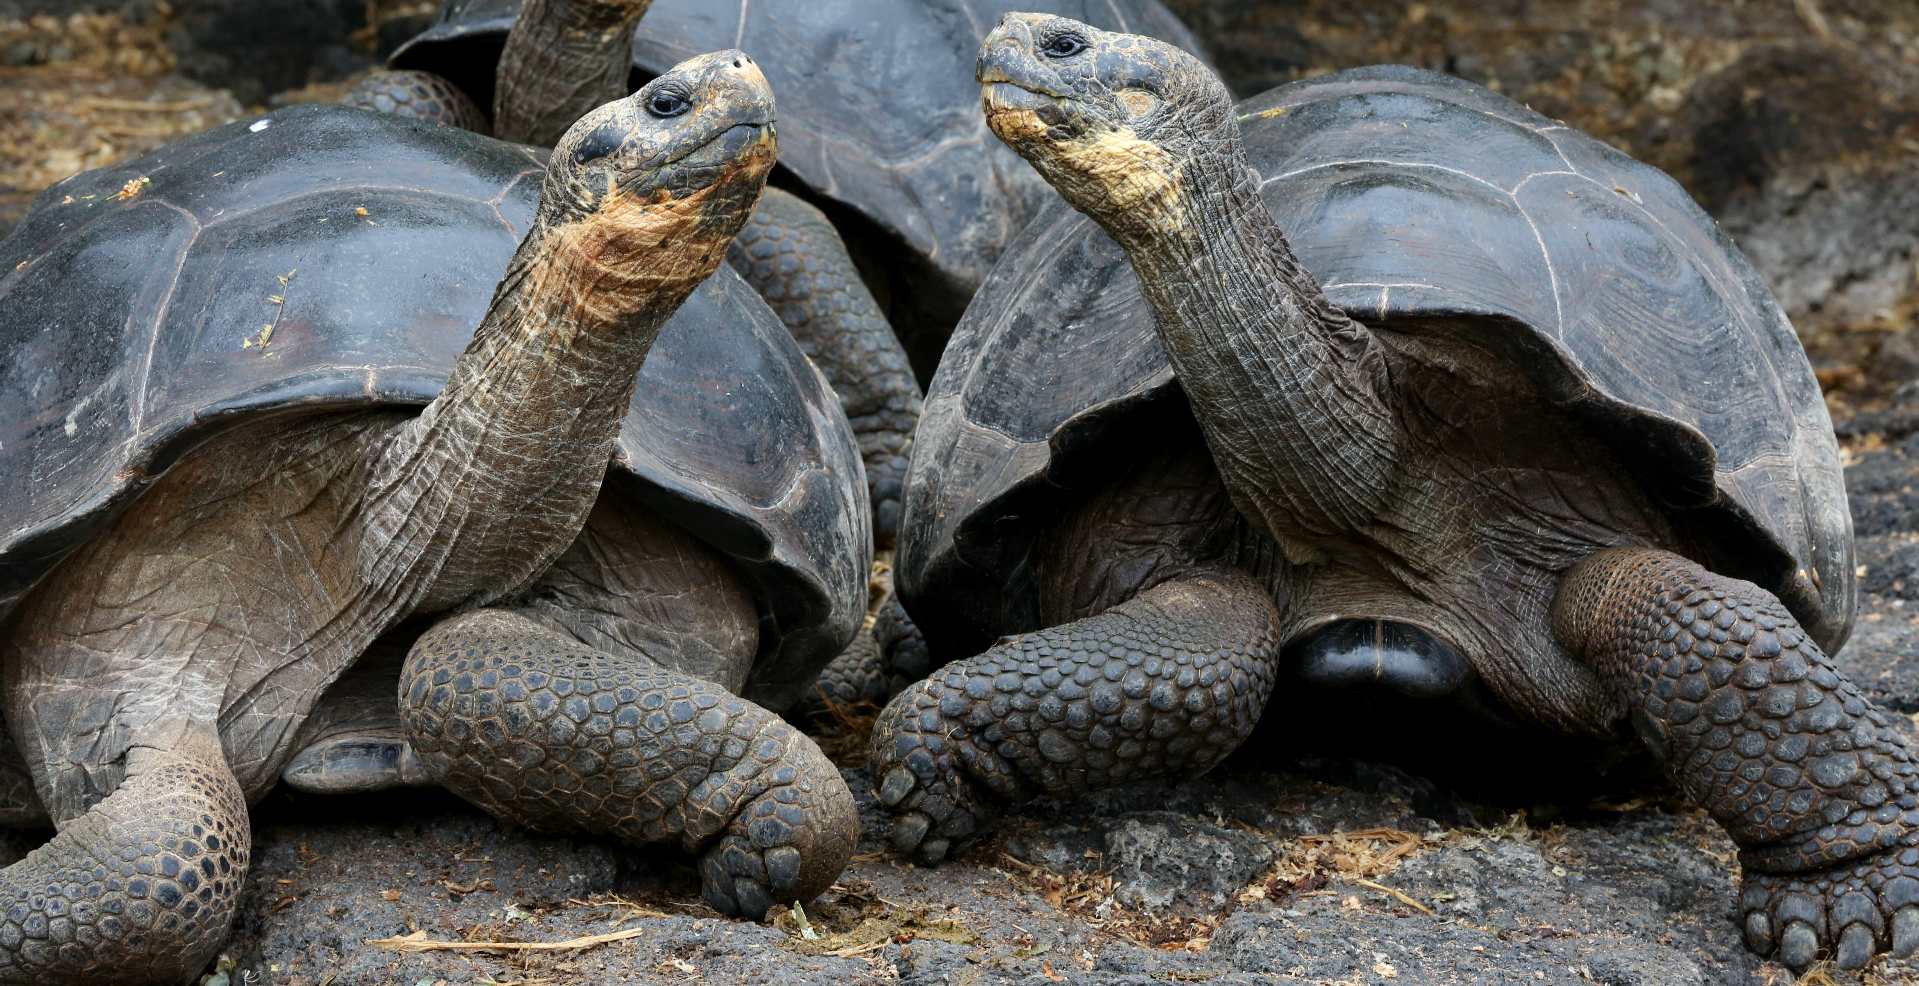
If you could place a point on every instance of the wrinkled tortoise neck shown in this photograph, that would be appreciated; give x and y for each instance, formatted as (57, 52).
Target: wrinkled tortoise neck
(474, 499)
(562, 59)
(1291, 394)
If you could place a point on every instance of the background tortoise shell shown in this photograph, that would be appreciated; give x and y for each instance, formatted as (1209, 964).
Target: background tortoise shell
(134, 302)
(877, 103)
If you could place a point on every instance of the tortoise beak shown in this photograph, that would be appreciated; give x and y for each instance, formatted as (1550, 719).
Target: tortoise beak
(1009, 44)
(1010, 96)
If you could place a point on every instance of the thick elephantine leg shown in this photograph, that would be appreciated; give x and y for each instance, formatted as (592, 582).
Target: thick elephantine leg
(542, 731)
(853, 678)
(140, 889)
(1753, 721)
(794, 258)
(881, 660)
(418, 96)
(903, 653)
(1166, 683)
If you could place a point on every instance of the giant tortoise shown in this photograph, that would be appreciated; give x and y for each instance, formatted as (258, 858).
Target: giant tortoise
(1396, 381)
(219, 489)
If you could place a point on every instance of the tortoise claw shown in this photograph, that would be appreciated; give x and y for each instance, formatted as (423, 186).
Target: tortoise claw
(1849, 912)
(923, 783)
(898, 784)
(1855, 947)
(909, 830)
(1905, 932)
(1798, 946)
(1759, 933)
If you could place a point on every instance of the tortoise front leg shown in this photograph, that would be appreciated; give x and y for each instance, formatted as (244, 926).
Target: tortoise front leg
(854, 678)
(143, 887)
(882, 659)
(542, 731)
(1753, 721)
(1167, 683)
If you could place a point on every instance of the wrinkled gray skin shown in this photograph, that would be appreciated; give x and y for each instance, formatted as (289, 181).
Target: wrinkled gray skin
(563, 57)
(1346, 474)
(133, 670)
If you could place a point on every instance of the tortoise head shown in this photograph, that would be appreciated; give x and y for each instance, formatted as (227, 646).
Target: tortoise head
(667, 175)
(1113, 121)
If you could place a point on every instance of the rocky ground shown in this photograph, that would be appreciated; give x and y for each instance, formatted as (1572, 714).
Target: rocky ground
(1794, 121)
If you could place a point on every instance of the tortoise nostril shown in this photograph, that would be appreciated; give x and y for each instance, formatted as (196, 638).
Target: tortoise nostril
(736, 63)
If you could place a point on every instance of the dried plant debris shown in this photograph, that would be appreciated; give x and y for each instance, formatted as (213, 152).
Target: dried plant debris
(1354, 865)
(86, 91)
(853, 932)
(90, 44)
(841, 730)
(419, 942)
(1090, 897)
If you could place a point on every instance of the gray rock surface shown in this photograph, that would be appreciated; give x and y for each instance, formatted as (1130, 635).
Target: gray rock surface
(1160, 860)
(1636, 896)
(1883, 486)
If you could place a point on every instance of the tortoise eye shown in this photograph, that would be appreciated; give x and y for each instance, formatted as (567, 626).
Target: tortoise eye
(667, 103)
(1065, 44)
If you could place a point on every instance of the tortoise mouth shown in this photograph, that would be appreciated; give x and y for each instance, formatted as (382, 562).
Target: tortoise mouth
(736, 136)
(739, 150)
(1010, 97)
(1025, 118)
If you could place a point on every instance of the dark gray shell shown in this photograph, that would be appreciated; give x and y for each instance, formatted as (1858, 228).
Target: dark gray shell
(1410, 195)
(878, 107)
(121, 348)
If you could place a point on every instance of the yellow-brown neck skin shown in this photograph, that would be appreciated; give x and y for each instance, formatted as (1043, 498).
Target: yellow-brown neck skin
(476, 497)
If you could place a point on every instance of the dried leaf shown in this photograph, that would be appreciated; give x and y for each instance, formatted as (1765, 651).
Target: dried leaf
(806, 927)
(418, 942)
